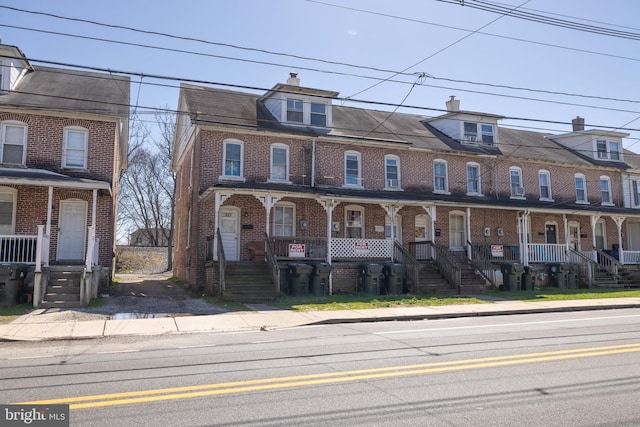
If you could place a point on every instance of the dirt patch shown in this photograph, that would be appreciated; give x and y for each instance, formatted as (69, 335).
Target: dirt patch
(148, 285)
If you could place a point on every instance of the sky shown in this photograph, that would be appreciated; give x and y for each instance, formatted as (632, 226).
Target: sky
(406, 55)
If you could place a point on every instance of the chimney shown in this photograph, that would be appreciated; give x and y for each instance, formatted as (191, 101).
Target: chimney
(293, 79)
(578, 124)
(453, 104)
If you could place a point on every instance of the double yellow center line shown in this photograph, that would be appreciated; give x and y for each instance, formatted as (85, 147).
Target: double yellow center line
(188, 392)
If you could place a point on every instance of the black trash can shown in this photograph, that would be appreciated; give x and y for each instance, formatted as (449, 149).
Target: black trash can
(559, 272)
(393, 277)
(527, 278)
(370, 275)
(298, 275)
(320, 279)
(511, 276)
(9, 281)
(573, 273)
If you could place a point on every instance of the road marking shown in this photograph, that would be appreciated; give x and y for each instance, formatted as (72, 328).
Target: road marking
(31, 357)
(188, 392)
(182, 347)
(117, 351)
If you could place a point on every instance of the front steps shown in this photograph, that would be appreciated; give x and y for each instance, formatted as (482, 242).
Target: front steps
(63, 287)
(248, 282)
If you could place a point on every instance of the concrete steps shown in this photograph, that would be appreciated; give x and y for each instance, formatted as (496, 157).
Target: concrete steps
(63, 288)
(248, 282)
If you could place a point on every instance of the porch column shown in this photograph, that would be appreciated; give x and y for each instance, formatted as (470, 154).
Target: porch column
(268, 202)
(431, 211)
(619, 220)
(218, 201)
(594, 219)
(468, 233)
(329, 205)
(566, 231)
(45, 258)
(524, 240)
(391, 211)
(94, 207)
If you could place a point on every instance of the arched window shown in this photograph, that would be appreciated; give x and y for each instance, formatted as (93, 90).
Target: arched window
(544, 180)
(352, 168)
(605, 190)
(391, 172)
(279, 163)
(515, 182)
(581, 188)
(233, 160)
(473, 179)
(440, 178)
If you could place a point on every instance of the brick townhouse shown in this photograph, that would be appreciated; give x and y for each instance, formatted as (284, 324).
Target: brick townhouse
(290, 177)
(63, 136)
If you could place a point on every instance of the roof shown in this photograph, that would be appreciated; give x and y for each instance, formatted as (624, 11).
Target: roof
(59, 89)
(45, 178)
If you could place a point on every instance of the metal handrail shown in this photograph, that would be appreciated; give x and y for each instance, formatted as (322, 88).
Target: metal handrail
(608, 263)
(401, 255)
(272, 261)
(587, 265)
(448, 268)
(482, 264)
(222, 262)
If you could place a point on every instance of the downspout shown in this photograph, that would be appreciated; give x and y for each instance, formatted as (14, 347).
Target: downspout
(566, 231)
(313, 162)
(468, 232)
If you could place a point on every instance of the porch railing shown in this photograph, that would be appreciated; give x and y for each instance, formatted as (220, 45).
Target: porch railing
(630, 257)
(222, 262)
(315, 248)
(608, 263)
(402, 256)
(482, 263)
(18, 249)
(421, 251)
(510, 253)
(586, 263)
(448, 268)
(547, 252)
(272, 262)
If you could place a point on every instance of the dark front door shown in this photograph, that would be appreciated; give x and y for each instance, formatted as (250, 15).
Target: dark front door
(552, 233)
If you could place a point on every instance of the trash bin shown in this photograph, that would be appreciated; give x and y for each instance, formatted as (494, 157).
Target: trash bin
(527, 278)
(298, 275)
(320, 279)
(511, 276)
(370, 275)
(573, 273)
(393, 277)
(8, 285)
(559, 272)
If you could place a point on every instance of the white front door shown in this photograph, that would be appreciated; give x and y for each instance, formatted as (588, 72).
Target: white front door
(72, 226)
(230, 232)
(633, 234)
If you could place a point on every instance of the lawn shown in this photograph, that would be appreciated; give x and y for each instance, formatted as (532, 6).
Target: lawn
(7, 314)
(555, 294)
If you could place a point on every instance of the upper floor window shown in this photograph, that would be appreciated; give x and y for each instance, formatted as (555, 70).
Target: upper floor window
(479, 132)
(391, 172)
(7, 210)
(581, 188)
(545, 185)
(605, 190)
(279, 162)
(233, 159)
(515, 182)
(473, 178)
(354, 222)
(75, 148)
(295, 108)
(608, 149)
(635, 188)
(352, 168)
(13, 137)
(2, 74)
(440, 179)
(284, 219)
(318, 114)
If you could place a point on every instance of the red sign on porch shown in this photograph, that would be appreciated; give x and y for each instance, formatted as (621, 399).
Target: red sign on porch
(497, 250)
(296, 250)
(361, 247)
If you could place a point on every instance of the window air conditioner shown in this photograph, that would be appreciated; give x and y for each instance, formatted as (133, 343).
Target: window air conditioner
(518, 191)
(393, 183)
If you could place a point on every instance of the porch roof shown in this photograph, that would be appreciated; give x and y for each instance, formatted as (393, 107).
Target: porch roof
(45, 178)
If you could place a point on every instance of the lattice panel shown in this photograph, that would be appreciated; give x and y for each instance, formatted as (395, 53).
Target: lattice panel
(361, 248)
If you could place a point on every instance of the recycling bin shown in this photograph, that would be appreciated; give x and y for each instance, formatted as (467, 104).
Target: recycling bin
(393, 277)
(511, 276)
(573, 273)
(527, 278)
(320, 279)
(9, 284)
(370, 276)
(298, 275)
(559, 272)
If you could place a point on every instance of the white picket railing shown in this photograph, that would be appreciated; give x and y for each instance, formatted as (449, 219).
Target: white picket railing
(18, 249)
(630, 257)
(547, 252)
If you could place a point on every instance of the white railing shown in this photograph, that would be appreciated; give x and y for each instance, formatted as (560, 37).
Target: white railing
(630, 257)
(18, 249)
(547, 252)
(361, 248)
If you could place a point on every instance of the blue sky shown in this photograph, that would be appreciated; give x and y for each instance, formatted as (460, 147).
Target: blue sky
(440, 39)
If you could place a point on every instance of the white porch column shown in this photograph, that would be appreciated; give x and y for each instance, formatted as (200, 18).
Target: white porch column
(392, 211)
(524, 237)
(468, 233)
(218, 201)
(329, 205)
(594, 219)
(268, 201)
(619, 220)
(49, 209)
(566, 231)
(431, 211)
(94, 207)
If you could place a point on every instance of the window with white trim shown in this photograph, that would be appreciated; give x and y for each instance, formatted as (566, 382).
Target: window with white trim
(515, 182)
(284, 215)
(635, 190)
(75, 147)
(608, 150)
(354, 222)
(581, 188)
(473, 179)
(478, 132)
(352, 169)
(279, 162)
(440, 179)
(614, 150)
(391, 172)
(318, 114)
(605, 190)
(2, 74)
(544, 180)
(232, 161)
(295, 110)
(13, 138)
(7, 210)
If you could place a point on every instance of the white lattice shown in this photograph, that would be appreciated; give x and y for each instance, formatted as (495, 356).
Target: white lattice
(361, 248)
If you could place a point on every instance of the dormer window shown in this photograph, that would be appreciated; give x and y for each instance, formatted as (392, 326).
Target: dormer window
(607, 150)
(479, 132)
(318, 114)
(295, 110)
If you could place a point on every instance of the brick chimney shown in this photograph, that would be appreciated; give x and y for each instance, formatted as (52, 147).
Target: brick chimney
(453, 104)
(578, 124)
(293, 79)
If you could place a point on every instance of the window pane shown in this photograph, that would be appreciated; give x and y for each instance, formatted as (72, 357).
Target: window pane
(232, 160)
(318, 115)
(352, 169)
(487, 134)
(6, 217)
(614, 151)
(12, 154)
(74, 158)
(14, 135)
(470, 130)
(279, 166)
(294, 110)
(75, 140)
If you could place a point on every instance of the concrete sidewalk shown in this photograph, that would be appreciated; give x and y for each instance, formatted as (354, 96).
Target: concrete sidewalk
(35, 327)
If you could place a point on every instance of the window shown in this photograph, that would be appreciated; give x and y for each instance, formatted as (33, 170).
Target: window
(545, 185)
(487, 134)
(354, 222)
(614, 150)
(473, 178)
(7, 212)
(636, 193)
(279, 162)
(295, 110)
(352, 172)
(318, 114)
(608, 149)
(581, 189)
(601, 148)
(75, 148)
(14, 142)
(440, 183)
(284, 219)
(232, 162)
(515, 181)
(470, 132)
(392, 172)
(478, 132)
(605, 190)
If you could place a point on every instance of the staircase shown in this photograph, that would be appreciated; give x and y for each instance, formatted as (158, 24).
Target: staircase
(431, 282)
(470, 280)
(63, 287)
(248, 282)
(628, 277)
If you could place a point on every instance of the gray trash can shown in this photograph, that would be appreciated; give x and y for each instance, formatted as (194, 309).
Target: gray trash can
(559, 272)
(298, 275)
(320, 279)
(8, 285)
(370, 275)
(393, 277)
(527, 278)
(511, 276)
(573, 273)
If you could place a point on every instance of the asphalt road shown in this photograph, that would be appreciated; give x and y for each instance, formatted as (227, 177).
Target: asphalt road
(561, 369)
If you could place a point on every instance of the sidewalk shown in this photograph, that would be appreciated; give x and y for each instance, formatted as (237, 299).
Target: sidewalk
(34, 327)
